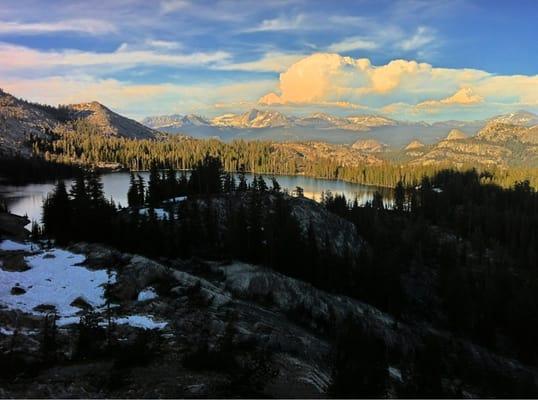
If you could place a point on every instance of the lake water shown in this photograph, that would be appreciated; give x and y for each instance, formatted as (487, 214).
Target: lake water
(28, 199)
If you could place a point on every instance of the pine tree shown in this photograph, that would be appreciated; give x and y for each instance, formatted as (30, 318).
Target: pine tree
(79, 191)
(133, 193)
(276, 185)
(377, 201)
(399, 196)
(242, 186)
(95, 189)
(154, 195)
(141, 190)
(57, 214)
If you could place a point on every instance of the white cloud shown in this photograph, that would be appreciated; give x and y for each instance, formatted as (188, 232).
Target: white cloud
(163, 44)
(89, 26)
(282, 24)
(422, 37)
(400, 86)
(353, 43)
(169, 6)
(18, 58)
(270, 62)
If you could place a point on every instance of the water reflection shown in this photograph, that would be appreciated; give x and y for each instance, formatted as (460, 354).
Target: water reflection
(28, 199)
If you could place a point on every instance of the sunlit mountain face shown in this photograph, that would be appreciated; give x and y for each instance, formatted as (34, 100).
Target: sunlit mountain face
(402, 60)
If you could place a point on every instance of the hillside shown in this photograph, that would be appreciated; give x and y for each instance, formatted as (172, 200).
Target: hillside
(251, 282)
(109, 123)
(523, 118)
(498, 132)
(456, 134)
(496, 144)
(21, 120)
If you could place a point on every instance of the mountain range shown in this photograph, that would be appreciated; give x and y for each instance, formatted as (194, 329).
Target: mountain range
(509, 139)
(273, 125)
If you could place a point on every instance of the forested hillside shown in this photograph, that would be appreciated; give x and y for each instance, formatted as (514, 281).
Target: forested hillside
(455, 255)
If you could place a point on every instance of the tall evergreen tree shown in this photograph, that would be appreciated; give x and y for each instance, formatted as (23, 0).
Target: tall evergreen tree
(57, 214)
(399, 196)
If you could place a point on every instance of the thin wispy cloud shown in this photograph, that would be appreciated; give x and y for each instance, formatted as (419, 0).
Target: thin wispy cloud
(353, 43)
(284, 23)
(169, 6)
(19, 58)
(269, 62)
(89, 26)
(422, 37)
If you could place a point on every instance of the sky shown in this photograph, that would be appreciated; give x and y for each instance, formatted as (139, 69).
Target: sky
(406, 59)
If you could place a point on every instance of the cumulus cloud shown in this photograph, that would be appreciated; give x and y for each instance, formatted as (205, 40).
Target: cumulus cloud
(398, 86)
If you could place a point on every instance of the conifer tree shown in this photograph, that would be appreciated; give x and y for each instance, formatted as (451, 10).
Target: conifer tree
(132, 193)
(399, 196)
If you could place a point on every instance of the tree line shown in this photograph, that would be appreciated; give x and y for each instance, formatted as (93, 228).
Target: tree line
(84, 144)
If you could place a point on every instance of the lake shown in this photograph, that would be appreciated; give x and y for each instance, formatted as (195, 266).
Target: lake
(28, 199)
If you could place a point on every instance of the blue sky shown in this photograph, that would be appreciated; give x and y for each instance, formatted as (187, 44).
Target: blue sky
(408, 59)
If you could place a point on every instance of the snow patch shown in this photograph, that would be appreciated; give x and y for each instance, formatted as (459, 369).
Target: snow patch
(176, 199)
(136, 321)
(140, 321)
(147, 294)
(63, 321)
(395, 373)
(10, 245)
(159, 212)
(54, 279)
(5, 331)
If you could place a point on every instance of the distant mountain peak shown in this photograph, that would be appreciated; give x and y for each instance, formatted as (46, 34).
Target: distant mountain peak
(414, 145)
(252, 118)
(521, 117)
(369, 145)
(456, 134)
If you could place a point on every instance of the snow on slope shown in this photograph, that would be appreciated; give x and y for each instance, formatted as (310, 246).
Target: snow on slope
(9, 245)
(147, 294)
(56, 278)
